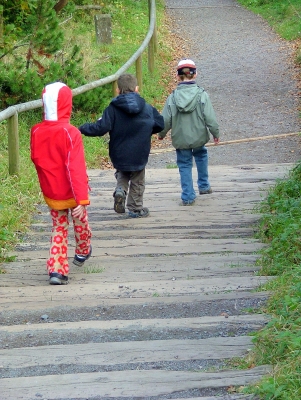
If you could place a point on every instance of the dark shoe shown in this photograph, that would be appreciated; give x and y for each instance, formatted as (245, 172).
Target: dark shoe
(119, 200)
(188, 203)
(209, 191)
(79, 259)
(58, 279)
(144, 212)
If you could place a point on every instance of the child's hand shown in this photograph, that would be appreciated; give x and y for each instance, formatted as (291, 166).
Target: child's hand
(216, 140)
(78, 212)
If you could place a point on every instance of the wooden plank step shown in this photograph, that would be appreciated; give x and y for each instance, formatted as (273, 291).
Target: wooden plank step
(110, 272)
(94, 291)
(217, 170)
(51, 303)
(171, 199)
(129, 241)
(257, 320)
(166, 233)
(227, 185)
(126, 352)
(145, 247)
(161, 262)
(123, 383)
(115, 223)
(167, 214)
(217, 173)
(225, 397)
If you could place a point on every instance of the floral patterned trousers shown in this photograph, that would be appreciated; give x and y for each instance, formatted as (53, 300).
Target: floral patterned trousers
(58, 254)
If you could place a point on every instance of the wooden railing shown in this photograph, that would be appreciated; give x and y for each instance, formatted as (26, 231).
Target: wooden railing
(11, 113)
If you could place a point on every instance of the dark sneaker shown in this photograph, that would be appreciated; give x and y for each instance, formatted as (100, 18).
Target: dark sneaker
(79, 259)
(58, 279)
(188, 203)
(208, 191)
(119, 201)
(144, 212)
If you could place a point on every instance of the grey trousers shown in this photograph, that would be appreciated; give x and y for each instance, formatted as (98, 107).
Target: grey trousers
(133, 183)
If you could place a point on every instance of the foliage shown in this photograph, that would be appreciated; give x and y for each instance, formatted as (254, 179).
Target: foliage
(281, 225)
(278, 344)
(28, 54)
(30, 63)
(34, 25)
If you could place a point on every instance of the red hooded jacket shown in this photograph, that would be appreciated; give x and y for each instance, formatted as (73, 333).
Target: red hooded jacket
(57, 151)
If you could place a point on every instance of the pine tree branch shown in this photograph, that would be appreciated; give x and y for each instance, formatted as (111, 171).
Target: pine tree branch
(14, 48)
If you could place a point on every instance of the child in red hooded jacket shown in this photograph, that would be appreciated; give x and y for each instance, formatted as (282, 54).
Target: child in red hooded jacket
(58, 154)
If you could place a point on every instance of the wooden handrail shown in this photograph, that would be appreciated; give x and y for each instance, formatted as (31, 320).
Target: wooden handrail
(236, 141)
(11, 113)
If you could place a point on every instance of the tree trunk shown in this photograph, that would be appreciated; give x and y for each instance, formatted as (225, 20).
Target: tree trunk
(60, 5)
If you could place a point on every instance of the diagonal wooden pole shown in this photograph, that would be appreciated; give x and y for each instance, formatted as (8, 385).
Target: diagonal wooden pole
(245, 140)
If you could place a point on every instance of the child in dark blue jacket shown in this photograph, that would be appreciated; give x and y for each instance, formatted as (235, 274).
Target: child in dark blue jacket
(130, 121)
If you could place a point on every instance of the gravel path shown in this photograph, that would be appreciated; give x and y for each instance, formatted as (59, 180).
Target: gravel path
(249, 74)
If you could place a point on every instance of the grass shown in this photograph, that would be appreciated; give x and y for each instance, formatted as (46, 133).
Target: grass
(171, 166)
(93, 270)
(19, 195)
(279, 343)
(283, 15)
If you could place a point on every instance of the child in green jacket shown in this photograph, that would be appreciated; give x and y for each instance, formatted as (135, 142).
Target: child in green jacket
(189, 114)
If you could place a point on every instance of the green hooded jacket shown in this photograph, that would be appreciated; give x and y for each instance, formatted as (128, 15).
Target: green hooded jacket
(189, 114)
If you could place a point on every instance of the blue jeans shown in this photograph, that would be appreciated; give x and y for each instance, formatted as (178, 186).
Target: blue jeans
(184, 162)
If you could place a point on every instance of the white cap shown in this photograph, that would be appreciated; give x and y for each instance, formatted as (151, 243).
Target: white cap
(186, 63)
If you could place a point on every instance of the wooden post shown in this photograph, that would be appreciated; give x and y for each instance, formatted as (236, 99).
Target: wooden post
(103, 28)
(1, 25)
(13, 145)
(149, 10)
(151, 56)
(151, 47)
(114, 88)
(139, 72)
(155, 39)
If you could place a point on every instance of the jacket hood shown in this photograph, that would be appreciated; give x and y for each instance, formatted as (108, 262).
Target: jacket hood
(186, 97)
(57, 102)
(130, 103)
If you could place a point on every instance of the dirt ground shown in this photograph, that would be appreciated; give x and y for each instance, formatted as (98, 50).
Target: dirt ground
(250, 75)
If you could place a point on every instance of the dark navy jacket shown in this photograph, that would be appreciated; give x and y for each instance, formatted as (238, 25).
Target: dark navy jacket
(130, 122)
